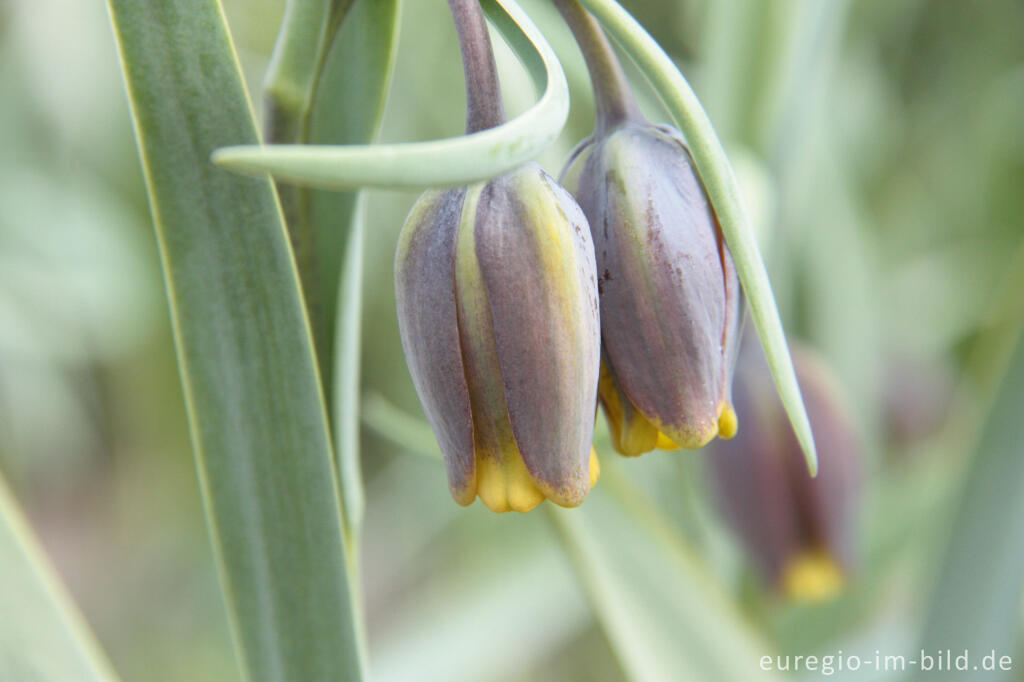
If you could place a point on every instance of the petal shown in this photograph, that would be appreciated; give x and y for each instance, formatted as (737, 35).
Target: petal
(632, 434)
(534, 251)
(425, 296)
(503, 482)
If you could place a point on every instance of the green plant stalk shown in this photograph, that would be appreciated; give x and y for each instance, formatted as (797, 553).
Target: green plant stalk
(252, 392)
(42, 634)
(613, 98)
(484, 105)
(348, 107)
(398, 426)
(293, 75)
(717, 175)
(467, 159)
(347, 356)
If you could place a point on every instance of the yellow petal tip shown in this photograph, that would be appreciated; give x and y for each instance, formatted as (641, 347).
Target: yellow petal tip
(504, 484)
(812, 577)
(666, 443)
(727, 422)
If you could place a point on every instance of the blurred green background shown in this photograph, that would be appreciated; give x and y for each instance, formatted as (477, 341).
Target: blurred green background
(880, 146)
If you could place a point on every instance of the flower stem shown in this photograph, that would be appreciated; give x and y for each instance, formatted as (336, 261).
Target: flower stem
(613, 98)
(484, 107)
(289, 91)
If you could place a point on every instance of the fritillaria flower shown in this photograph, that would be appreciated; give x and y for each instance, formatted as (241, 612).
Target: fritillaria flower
(670, 297)
(497, 307)
(798, 530)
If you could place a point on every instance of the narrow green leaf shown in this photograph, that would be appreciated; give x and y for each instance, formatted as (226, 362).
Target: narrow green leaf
(42, 635)
(398, 426)
(292, 81)
(976, 602)
(717, 175)
(665, 616)
(348, 109)
(307, 30)
(467, 158)
(244, 349)
(346, 379)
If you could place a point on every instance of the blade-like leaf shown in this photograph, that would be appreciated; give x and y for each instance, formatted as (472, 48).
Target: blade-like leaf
(665, 616)
(244, 349)
(348, 109)
(723, 191)
(307, 29)
(466, 159)
(976, 602)
(292, 80)
(42, 635)
(346, 380)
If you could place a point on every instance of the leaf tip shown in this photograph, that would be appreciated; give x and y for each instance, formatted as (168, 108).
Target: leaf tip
(810, 454)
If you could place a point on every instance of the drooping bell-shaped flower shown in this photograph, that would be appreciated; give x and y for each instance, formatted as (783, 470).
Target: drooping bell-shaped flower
(497, 307)
(670, 297)
(799, 531)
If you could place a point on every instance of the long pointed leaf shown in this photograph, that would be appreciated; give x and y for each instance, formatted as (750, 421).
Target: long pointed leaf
(665, 616)
(42, 635)
(244, 349)
(716, 173)
(348, 109)
(976, 602)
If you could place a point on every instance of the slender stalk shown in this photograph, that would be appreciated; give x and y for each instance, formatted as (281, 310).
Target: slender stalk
(293, 76)
(484, 107)
(613, 98)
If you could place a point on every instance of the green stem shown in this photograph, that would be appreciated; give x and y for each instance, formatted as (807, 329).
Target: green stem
(716, 173)
(296, 64)
(484, 107)
(614, 102)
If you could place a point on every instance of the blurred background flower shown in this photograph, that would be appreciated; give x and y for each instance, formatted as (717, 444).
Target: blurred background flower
(881, 150)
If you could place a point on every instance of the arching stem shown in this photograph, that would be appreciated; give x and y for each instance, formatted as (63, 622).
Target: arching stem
(484, 107)
(613, 98)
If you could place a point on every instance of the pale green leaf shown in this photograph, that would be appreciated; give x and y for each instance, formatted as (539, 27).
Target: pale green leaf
(975, 604)
(244, 349)
(348, 109)
(466, 159)
(42, 636)
(307, 30)
(666, 617)
(717, 176)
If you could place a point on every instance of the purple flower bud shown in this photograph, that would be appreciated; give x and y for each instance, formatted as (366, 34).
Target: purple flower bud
(498, 311)
(798, 530)
(670, 297)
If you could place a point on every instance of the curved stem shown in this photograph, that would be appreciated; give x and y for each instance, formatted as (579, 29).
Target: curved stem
(484, 107)
(613, 98)
(467, 158)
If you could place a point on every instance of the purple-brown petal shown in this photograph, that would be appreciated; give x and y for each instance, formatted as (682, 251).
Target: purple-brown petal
(534, 250)
(427, 320)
